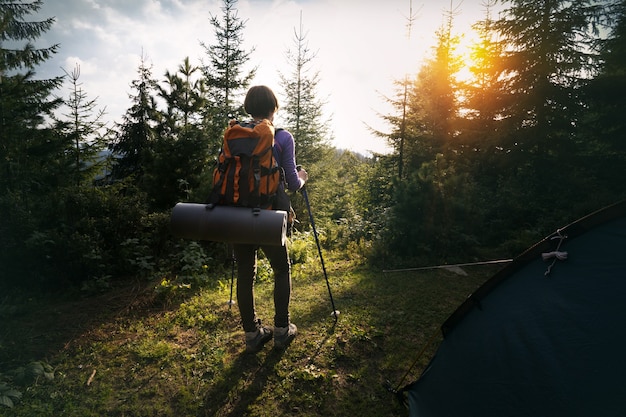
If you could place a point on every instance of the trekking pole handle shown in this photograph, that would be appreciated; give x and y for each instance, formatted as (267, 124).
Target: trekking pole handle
(299, 168)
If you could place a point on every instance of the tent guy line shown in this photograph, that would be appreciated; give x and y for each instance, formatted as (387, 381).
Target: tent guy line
(424, 268)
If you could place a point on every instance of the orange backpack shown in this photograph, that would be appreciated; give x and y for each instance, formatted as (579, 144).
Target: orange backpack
(247, 173)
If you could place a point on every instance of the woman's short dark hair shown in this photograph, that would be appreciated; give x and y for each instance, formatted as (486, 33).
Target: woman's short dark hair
(260, 101)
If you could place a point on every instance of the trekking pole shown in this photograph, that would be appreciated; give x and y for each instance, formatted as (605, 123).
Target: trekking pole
(232, 279)
(335, 312)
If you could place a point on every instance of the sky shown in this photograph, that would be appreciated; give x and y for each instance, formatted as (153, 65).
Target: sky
(361, 47)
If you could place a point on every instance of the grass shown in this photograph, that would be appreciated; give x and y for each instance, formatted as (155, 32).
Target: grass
(125, 354)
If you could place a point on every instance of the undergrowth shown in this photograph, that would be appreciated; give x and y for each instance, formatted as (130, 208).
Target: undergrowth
(181, 353)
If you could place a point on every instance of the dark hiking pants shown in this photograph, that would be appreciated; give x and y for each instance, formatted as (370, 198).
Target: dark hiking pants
(246, 256)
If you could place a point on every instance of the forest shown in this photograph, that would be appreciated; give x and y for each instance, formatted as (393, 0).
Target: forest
(481, 167)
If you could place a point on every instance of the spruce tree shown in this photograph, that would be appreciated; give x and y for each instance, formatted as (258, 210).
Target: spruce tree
(302, 111)
(86, 129)
(398, 138)
(608, 89)
(226, 79)
(548, 56)
(134, 141)
(33, 156)
(427, 200)
(605, 126)
(483, 93)
(30, 151)
(432, 102)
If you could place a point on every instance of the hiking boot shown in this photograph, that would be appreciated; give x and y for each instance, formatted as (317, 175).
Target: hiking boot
(256, 339)
(284, 335)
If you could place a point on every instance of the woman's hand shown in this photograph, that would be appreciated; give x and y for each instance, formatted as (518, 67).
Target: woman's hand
(303, 175)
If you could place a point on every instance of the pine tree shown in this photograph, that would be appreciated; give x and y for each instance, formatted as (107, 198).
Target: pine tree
(302, 112)
(183, 96)
(180, 150)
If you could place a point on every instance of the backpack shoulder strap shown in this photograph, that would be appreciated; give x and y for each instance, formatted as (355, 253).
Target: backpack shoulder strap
(277, 145)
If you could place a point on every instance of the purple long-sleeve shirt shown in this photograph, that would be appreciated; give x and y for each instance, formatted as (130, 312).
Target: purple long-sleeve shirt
(286, 155)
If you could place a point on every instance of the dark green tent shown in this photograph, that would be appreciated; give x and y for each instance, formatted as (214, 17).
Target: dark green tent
(546, 336)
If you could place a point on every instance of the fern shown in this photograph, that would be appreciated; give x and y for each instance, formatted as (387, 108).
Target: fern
(8, 395)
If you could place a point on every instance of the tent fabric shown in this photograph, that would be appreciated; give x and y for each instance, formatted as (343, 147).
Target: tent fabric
(529, 343)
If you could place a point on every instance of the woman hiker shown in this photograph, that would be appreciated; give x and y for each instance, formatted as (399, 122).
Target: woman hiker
(261, 104)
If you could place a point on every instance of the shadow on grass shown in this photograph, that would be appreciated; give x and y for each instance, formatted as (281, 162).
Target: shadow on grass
(241, 384)
(245, 382)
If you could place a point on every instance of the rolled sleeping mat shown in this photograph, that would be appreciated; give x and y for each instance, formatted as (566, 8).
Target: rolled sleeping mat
(229, 224)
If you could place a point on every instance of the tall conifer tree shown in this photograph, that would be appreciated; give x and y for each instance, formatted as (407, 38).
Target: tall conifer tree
(302, 110)
(432, 102)
(34, 160)
(30, 154)
(137, 133)
(604, 144)
(483, 93)
(608, 90)
(547, 57)
(86, 128)
(226, 78)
